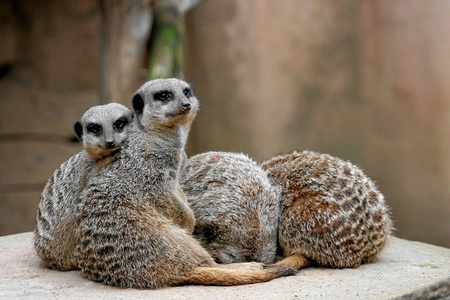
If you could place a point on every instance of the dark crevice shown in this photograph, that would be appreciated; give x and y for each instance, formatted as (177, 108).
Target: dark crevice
(4, 70)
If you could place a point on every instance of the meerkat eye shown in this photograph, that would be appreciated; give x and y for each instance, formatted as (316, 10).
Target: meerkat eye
(187, 92)
(94, 128)
(162, 96)
(120, 123)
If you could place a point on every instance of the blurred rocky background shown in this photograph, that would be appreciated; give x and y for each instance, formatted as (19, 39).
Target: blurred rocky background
(366, 81)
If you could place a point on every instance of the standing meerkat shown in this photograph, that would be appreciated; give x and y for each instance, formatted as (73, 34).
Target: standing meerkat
(102, 129)
(235, 205)
(331, 213)
(134, 221)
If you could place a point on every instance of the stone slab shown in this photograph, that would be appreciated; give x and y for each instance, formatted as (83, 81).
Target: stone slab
(403, 267)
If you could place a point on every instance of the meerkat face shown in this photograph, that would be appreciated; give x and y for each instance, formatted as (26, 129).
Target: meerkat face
(165, 103)
(103, 128)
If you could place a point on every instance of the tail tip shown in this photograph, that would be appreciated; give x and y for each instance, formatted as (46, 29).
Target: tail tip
(284, 271)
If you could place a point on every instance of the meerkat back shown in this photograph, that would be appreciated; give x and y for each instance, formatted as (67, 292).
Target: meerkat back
(331, 212)
(236, 207)
(102, 129)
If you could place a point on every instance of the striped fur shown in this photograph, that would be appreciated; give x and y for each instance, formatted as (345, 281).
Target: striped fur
(54, 236)
(331, 213)
(55, 222)
(236, 207)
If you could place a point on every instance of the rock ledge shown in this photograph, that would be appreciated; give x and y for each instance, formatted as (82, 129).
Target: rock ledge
(405, 269)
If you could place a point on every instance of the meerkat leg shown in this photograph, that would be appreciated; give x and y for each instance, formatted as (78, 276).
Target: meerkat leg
(221, 276)
(295, 261)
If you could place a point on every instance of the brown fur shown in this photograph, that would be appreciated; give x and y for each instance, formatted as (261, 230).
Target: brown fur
(331, 213)
(221, 276)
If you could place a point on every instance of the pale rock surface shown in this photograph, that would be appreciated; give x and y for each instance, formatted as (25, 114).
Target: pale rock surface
(403, 267)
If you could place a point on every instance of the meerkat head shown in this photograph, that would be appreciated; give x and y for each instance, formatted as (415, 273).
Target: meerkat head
(165, 103)
(103, 128)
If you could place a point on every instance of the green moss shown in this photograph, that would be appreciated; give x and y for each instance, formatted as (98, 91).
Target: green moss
(430, 266)
(166, 44)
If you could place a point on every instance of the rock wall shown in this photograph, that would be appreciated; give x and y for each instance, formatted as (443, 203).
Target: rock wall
(49, 77)
(362, 80)
(57, 59)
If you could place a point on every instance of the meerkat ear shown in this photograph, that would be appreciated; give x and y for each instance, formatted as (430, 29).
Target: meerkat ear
(138, 104)
(78, 130)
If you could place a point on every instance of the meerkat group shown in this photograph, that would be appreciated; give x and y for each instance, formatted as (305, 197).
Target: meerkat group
(327, 211)
(133, 224)
(127, 213)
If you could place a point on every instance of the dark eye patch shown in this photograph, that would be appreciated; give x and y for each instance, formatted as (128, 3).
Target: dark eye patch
(187, 92)
(120, 123)
(94, 128)
(138, 104)
(163, 95)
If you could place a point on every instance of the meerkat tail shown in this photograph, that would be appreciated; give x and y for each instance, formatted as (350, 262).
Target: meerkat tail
(296, 262)
(221, 276)
(245, 266)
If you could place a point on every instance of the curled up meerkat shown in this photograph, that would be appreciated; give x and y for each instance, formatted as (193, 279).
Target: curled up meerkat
(235, 205)
(102, 129)
(331, 212)
(134, 222)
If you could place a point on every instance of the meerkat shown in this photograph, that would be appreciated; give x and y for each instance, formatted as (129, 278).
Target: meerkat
(332, 214)
(102, 129)
(133, 221)
(235, 205)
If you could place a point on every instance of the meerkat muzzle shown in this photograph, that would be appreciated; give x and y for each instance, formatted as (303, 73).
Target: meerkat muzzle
(186, 106)
(110, 144)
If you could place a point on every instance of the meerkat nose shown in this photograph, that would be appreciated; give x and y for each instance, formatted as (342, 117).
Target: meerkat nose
(186, 106)
(110, 143)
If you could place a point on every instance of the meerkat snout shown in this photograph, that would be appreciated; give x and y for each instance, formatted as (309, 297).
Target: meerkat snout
(186, 106)
(110, 143)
